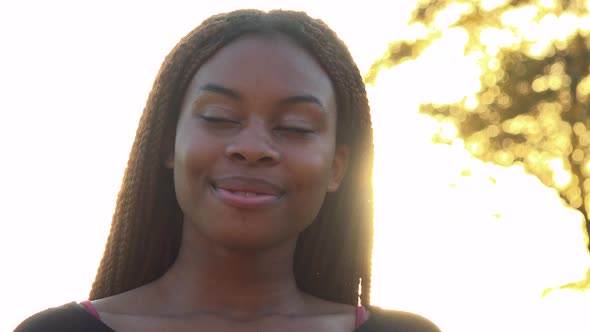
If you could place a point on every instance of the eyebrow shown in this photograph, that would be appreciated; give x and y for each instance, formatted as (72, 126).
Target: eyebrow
(298, 99)
(221, 90)
(303, 99)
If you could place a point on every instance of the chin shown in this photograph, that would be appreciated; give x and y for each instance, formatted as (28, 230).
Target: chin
(252, 242)
(250, 235)
(245, 230)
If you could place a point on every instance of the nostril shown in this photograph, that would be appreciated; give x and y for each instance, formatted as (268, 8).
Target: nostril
(266, 159)
(238, 156)
(249, 151)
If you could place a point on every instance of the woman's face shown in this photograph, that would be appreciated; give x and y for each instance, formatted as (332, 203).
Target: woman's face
(255, 149)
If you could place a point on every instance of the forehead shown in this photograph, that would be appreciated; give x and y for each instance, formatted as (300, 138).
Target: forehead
(268, 64)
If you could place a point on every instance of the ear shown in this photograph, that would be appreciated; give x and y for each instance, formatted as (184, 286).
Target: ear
(339, 166)
(169, 161)
(168, 146)
(167, 150)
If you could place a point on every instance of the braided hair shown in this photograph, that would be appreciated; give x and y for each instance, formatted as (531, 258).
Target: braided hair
(332, 255)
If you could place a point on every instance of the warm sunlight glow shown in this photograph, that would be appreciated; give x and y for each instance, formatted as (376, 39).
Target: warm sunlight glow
(437, 78)
(491, 4)
(485, 238)
(477, 219)
(451, 14)
(519, 17)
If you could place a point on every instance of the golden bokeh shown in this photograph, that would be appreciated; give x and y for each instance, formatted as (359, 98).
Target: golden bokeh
(527, 110)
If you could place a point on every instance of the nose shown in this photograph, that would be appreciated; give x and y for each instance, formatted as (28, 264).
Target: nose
(252, 146)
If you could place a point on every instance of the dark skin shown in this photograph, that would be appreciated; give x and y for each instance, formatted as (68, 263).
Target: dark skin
(254, 157)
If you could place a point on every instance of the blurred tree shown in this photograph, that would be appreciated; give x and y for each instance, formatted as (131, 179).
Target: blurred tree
(534, 102)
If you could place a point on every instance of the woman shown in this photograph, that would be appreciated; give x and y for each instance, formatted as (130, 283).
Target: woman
(246, 204)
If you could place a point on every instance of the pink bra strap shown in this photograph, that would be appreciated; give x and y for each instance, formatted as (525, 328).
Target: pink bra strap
(91, 309)
(361, 316)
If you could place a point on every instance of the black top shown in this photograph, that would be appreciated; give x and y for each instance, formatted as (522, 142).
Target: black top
(72, 317)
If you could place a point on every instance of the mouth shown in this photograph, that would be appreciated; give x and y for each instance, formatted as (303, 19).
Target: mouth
(246, 193)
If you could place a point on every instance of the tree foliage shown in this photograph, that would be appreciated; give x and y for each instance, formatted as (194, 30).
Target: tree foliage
(533, 105)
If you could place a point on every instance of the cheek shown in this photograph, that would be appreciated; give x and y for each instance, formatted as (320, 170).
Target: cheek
(312, 170)
(194, 155)
(193, 150)
(310, 175)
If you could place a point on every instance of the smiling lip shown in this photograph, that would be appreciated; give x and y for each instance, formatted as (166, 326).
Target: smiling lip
(246, 192)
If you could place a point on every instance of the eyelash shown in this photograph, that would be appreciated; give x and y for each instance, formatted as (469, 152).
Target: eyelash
(211, 119)
(296, 130)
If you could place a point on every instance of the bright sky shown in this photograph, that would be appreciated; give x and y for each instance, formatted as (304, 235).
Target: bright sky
(74, 78)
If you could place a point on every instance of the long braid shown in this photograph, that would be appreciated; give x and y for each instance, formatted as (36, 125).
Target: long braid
(332, 255)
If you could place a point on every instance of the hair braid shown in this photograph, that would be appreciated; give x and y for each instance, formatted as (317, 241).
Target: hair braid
(332, 255)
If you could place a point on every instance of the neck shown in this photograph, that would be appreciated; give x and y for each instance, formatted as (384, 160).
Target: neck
(208, 277)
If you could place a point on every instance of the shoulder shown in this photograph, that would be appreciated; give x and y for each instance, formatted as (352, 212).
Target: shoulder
(70, 317)
(393, 320)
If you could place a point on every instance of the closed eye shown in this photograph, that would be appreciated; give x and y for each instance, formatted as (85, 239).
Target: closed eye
(213, 119)
(298, 130)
